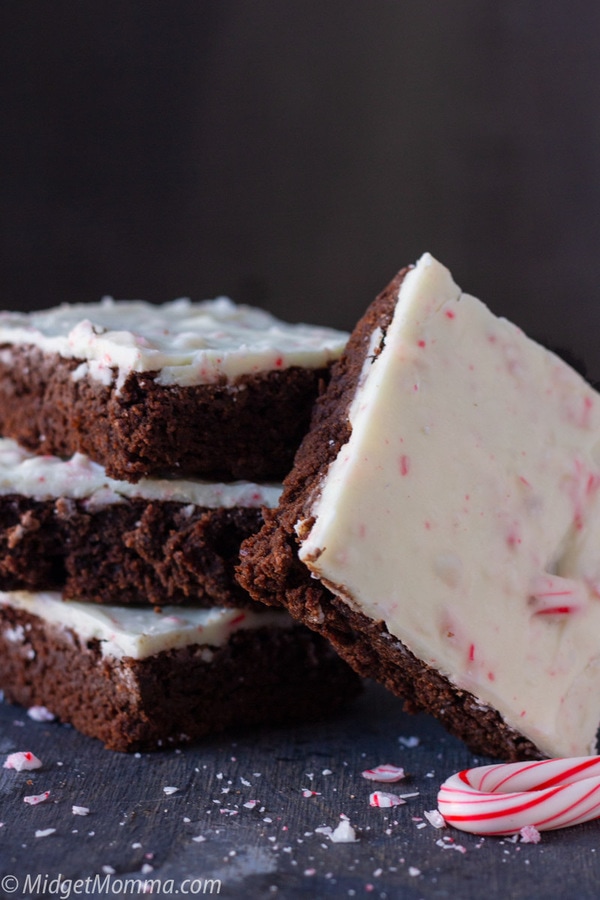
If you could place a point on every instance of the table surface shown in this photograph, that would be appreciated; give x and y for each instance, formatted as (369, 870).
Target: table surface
(203, 832)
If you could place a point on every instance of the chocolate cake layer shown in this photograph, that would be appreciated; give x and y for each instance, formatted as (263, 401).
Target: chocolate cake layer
(248, 429)
(265, 675)
(134, 551)
(272, 572)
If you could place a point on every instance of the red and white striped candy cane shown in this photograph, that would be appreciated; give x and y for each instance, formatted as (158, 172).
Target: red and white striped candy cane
(503, 799)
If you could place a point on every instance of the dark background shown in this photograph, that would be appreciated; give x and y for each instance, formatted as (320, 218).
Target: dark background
(296, 154)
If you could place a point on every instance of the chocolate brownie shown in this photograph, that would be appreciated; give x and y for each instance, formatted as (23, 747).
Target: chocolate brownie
(239, 669)
(440, 523)
(65, 526)
(206, 390)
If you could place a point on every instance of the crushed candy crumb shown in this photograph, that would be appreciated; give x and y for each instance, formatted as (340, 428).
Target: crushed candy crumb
(34, 799)
(435, 818)
(23, 760)
(344, 833)
(386, 774)
(385, 800)
(530, 835)
(40, 714)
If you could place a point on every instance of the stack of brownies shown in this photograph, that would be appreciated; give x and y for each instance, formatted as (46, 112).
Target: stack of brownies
(139, 446)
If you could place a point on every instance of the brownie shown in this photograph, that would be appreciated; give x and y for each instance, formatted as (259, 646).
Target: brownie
(272, 572)
(205, 390)
(271, 675)
(138, 551)
(246, 430)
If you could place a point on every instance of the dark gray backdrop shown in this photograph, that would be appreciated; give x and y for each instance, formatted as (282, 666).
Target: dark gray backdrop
(295, 154)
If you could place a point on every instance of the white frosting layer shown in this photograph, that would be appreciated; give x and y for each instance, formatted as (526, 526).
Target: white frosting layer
(46, 477)
(140, 632)
(187, 343)
(464, 511)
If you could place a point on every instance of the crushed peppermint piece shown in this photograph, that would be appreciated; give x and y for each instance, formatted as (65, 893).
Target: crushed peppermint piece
(80, 810)
(435, 818)
(108, 870)
(170, 790)
(245, 782)
(344, 833)
(409, 742)
(324, 829)
(385, 800)
(530, 835)
(199, 838)
(413, 871)
(44, 832)
(386, 774)
(326, 772)
(40, 714)
(23, 760)
(34, 799)
(250, 804)
(449, 843)
(307, 793)
(146, 869)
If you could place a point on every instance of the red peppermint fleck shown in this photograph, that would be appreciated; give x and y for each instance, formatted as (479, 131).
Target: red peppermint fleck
(450, 314)
(404, 465)
(587, 409)
(557, 611)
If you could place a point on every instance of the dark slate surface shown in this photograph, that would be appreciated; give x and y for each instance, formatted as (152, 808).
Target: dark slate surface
(273, 849)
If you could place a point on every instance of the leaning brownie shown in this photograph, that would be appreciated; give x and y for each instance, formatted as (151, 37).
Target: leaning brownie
(142, 680)
(208, 390)
(442, 521)
(64, 525)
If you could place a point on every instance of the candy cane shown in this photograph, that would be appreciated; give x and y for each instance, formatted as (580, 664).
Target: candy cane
(503, 799)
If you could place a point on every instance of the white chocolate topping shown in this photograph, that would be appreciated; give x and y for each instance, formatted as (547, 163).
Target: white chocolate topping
(464, 511)
(187, 343)
(78, 478)
(140, 632)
